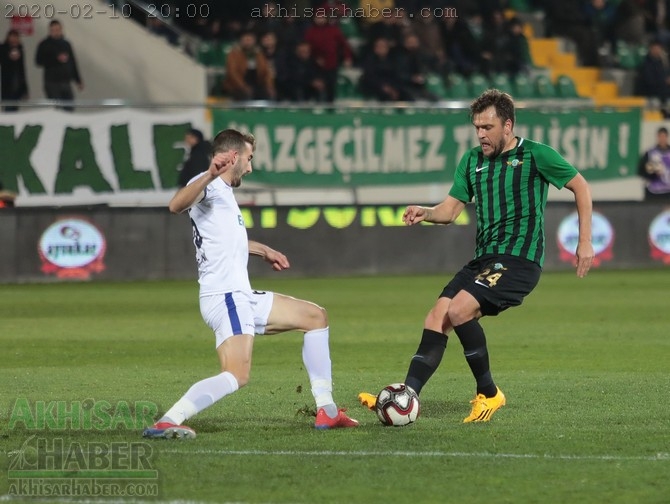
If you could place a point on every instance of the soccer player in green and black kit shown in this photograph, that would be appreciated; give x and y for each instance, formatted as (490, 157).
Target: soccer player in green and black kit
(508, 177)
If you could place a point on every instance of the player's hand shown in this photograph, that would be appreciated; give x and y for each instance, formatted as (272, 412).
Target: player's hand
(414, 214)
(222, 162)
(277, 260)
(585, 257)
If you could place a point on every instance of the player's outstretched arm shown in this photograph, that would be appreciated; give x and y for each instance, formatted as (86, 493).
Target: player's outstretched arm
(443, 213)
(580, 187)
(187, 196)
(276, 259)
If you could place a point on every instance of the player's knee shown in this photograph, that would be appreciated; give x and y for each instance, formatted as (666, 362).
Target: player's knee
(242, 377)
(317, 318)
(241, 372)
(437, 320)
(459, 314)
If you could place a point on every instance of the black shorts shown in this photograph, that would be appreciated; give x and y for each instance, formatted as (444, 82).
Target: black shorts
(495, 281)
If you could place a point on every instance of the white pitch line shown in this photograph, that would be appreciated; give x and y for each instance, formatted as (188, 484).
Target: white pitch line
(435, 454)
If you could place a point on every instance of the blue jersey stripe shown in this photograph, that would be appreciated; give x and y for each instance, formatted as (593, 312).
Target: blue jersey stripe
(232, 314)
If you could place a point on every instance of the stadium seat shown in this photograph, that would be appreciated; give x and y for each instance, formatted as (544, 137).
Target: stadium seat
(543, 87)
(502, 82)
(565, 87)
(222, 55)
(349, 28)
(346, 87)
(523, 87)
(626, 57)
(435, 84)
(478, 84)
(205, 54)
(457, 87)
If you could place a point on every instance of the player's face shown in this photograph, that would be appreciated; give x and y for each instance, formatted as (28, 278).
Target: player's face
(491, 131)
(243, 165)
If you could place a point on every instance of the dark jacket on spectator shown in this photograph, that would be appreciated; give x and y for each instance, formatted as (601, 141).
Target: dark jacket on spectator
(55, 70)
(13, 83)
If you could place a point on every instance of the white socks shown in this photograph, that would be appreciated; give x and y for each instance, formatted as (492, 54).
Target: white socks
(200, 396)
(316, 357)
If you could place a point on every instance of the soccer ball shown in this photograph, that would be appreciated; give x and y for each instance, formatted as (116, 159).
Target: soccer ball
(397, 405)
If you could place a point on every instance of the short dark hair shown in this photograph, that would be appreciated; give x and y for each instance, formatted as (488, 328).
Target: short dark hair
(55, 22)
(662, 129)
(231, 139)
(501, 101)
(196, 133)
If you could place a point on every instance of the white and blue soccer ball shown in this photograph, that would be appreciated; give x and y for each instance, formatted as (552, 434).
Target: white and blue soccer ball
(397, 405)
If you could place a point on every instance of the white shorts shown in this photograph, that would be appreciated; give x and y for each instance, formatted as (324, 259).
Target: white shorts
(236, 312)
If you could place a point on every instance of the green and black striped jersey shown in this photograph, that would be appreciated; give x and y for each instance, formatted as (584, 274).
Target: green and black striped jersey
(510, 193)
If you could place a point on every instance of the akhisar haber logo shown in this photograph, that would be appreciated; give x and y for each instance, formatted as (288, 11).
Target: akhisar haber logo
(72, 248)
(602, 238)
(659, 237)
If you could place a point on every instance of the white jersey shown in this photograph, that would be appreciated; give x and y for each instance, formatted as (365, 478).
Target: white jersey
(220, 239)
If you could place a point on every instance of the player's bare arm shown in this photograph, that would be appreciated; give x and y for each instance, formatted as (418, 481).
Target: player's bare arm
(275, 258)
(187, 196)
(442, 213)
(584, 253)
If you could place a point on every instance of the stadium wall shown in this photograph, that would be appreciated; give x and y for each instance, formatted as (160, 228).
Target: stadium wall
(102, 243)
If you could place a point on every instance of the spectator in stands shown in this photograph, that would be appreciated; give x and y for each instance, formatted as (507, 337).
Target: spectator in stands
(380, 79)
(392, 27)
(334, 9)
(56, 56)
(567, 19)
(460, 46)
(248, 74)
(270, 20)
(629, 22)
(601, 17)
(198, 159)
(519, 53)
(412, 66)
(268, 43)
(653, 79)
(430, 39)
(13, 83)
(654, 167)
(496, 42)
(330, 50)
(657, 19)
(299, 77)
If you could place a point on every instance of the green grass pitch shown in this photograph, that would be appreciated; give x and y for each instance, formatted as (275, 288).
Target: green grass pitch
(584, 364)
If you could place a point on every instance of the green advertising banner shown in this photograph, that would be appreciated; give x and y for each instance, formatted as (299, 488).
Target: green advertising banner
(387, 147)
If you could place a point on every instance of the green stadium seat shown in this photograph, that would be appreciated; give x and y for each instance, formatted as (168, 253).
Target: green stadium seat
(349, 28)
(543, 87)
(478, 84)
(502, 82)
(457, 87)
(565, 87)
(523, 87)
(435, 84)
(223, 51)
(626, 56)
(346, 88)
(640, 53)
(205, 54)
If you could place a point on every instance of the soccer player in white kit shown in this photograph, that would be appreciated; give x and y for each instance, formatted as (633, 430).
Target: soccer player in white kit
(227, 303)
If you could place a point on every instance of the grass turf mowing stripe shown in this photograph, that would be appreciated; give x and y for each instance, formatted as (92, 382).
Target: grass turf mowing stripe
(665, 457)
